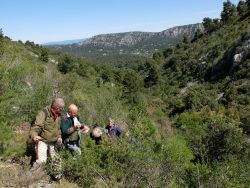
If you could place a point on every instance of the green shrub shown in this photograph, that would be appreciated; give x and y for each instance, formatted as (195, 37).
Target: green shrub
(176, 158)
(6, 136)
(212, 138)
(245, 118)
(191, 126)
(231, 173)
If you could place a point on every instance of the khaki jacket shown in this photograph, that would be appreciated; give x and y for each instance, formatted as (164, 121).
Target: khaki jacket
(46, 127)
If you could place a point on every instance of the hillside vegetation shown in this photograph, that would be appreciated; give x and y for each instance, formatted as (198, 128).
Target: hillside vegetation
(188, 108)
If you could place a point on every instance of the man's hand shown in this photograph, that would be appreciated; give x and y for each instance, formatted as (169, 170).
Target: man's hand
(78, 126)
(85, 129)
(37, 138)
(59, 140)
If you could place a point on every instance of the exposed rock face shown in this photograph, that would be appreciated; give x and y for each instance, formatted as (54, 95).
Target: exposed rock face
(237, 58)
(180, 30)
(231, 60)
(117, 39)
(242, 52)
(132, 38)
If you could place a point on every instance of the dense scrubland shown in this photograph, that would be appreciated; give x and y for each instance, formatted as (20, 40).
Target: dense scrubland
(187, 106)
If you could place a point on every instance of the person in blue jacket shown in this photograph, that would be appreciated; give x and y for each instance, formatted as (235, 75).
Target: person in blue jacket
(113, 129)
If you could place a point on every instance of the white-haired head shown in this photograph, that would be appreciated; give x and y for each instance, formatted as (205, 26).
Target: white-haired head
(58, 103)
(97, 132)
(73, 110)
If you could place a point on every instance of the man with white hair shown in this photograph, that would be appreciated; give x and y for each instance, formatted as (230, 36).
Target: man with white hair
(71, 129)
(96, 134)
(45, 132)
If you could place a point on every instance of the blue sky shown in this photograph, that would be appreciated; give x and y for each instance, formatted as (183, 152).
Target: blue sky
(55, 20)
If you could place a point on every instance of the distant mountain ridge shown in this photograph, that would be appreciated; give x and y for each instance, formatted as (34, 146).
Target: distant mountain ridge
(128, 43)
(64, 42)
(133, 38)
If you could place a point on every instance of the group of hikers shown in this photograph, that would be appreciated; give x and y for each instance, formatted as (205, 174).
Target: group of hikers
(54, 127)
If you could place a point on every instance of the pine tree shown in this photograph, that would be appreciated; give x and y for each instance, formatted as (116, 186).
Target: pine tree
(151, 72)
(242, 7)
(210, 24)
(185, 39)
(198, 33)
(248, 3)
(66, 64)
(44, 55)
(229, 11)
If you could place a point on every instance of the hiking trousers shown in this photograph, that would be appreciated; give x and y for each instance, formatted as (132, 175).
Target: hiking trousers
(42, 151)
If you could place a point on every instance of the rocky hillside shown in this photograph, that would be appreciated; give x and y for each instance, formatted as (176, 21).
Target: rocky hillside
(133, 38)
(129, 43)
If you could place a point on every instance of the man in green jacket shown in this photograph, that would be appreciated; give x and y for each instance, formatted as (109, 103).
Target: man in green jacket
(46, 132)
(72, 128)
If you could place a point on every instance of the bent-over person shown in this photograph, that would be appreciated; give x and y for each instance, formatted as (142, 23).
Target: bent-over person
(46, 134)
